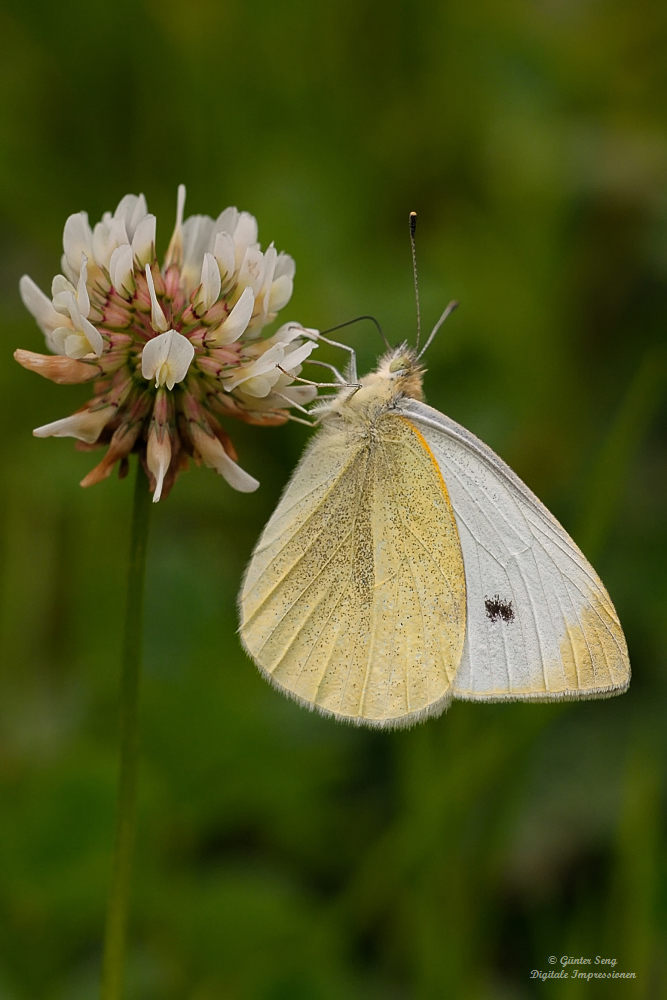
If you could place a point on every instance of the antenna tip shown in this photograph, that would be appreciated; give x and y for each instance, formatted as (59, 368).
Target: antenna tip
(413, 223)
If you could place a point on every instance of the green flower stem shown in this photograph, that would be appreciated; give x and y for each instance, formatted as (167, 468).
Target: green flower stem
(113, 966)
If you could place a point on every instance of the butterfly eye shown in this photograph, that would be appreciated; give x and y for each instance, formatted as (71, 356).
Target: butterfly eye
(398, 364)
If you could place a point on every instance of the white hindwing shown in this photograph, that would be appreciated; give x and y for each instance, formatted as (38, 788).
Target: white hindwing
(540, 624)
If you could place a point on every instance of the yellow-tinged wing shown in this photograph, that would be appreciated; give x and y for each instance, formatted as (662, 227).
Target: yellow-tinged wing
(354, 600)
(540, 624)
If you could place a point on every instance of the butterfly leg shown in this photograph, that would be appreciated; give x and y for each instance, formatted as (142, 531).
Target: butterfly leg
(343, 347)
(300, 420)
(318, 385)
(325, 364)
(296, 406)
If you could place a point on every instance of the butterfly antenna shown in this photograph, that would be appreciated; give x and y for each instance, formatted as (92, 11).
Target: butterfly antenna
(358, 319)
(413, 226)
(448, 312)
(346, 347)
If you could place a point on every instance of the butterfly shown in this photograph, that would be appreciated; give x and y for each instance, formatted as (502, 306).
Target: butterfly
(406, 565)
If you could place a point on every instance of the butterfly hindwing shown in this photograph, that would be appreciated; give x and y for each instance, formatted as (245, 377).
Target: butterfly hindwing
(354, 600)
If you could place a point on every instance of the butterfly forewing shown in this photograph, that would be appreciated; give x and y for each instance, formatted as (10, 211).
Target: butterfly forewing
(354, 601)
(540, 624)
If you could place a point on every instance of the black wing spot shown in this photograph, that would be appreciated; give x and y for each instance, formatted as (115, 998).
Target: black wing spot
(497, 608)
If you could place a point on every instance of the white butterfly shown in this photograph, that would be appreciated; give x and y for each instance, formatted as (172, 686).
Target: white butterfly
(406, 565)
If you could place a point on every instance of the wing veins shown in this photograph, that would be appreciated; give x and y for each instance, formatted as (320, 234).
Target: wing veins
(406, 559)
(298, 559)
(289, 572)
(575, 657)
(329, 482)
(464, 473)
(315, 510)
(310, 614)
(360, 494)
(494, 530)
(566, 550)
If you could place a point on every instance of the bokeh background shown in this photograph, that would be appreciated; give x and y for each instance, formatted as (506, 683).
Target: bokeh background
(281, 856)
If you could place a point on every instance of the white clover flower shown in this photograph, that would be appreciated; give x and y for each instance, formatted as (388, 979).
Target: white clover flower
(172, 350)
(167, 358)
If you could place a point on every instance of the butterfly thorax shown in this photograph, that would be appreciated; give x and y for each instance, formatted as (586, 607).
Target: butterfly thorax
(398, 375)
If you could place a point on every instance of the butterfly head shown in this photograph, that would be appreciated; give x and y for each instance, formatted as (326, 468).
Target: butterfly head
(400, 370)
(398, 374)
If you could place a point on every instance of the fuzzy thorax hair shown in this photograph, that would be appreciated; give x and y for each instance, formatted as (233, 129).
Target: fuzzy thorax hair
(397, 375)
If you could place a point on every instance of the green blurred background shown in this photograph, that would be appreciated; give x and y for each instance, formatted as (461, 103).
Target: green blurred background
(281, 856)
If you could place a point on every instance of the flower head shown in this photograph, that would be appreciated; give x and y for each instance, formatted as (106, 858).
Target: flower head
(172, 351)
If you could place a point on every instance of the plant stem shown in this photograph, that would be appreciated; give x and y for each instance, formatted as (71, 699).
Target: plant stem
(113, 966)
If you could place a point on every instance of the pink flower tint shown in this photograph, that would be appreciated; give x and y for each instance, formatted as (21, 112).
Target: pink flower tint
(172, 351)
